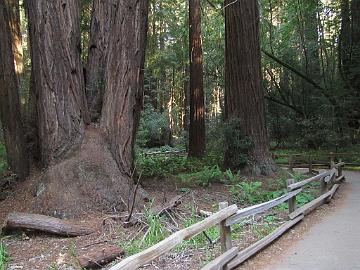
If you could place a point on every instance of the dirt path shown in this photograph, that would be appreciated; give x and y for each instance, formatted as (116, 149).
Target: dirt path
(333, 243)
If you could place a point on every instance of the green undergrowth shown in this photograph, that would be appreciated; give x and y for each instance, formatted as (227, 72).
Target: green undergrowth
(154, 233)
(3, 163)
(4, 256)
(247, 193)
(200, 240)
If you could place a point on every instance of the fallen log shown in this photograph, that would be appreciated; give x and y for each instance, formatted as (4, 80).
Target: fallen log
(24, 221)
(98, 257)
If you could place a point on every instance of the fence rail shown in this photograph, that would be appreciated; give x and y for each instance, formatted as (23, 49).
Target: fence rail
(227, 216)
(312, 161)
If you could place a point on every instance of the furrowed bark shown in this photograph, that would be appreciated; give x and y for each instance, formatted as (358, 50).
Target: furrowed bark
(197, 106)
(244, 97)
(101, 19)
(58, 75)
(124, 81)
(9, 101)
(13, 8)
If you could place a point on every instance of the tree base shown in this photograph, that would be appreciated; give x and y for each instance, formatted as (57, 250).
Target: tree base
(266, 167)
(88, 180)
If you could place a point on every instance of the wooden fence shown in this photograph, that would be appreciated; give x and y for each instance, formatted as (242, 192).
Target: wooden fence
(227, 216)
(312, 161)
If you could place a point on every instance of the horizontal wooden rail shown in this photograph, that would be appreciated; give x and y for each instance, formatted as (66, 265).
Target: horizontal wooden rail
(222, 260)
(309, 207)
(341, 164)
(146, 256)
(259, 208)
(318, 155)
(309, 180)
(255, 248)
(164, 153)
(331, 175)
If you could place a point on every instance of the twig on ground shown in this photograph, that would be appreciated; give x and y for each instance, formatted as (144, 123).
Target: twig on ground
(134, 198)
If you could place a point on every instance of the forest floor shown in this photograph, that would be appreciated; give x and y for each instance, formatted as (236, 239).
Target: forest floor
(30, 251)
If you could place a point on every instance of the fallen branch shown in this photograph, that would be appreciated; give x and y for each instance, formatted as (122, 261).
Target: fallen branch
(23, 221)
(100, 257)
(156, 210)
(174, 202)
(133, 199)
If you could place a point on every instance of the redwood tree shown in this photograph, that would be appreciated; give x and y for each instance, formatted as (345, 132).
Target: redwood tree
(197, 107)
(86, 166)
(244, 97)
(13, 8)
(59, 80)
(101, 18)
(349, 58)
(125, 80)
(9, 101)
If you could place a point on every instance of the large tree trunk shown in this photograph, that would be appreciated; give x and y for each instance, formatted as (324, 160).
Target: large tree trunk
(14, 17)
(101, 19)
(124, 81)
(86, 168)
(59, 81)
(197, 106)
(9, 101)
(244, 97)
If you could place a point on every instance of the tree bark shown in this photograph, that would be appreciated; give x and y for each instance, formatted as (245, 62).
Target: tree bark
(349, 58)
(32, 130)
(59, 81)
(101, 20)
(244, 97)
(197, 106)
(14, 20)
(124, 81)
(9, 101)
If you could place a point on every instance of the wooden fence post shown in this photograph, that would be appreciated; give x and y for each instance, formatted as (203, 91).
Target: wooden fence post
(332, 161)
(291, 163)
(291, 201)
(323, 186)
(310, 165)
(340, 169)
(225, 231)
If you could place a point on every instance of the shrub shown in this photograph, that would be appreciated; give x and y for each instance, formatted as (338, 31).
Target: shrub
(153, 129)
(237, 145)
(204, 177)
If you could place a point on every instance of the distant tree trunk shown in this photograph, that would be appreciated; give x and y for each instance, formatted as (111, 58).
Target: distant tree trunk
(32, 136)
(345, 39)
(349, 59)
(244, 97)
(59, 81)
(101, 19)
(124, 81)
(197, 106)
(15, 23)
(9, 101)
(186, 118)
(355, 54)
